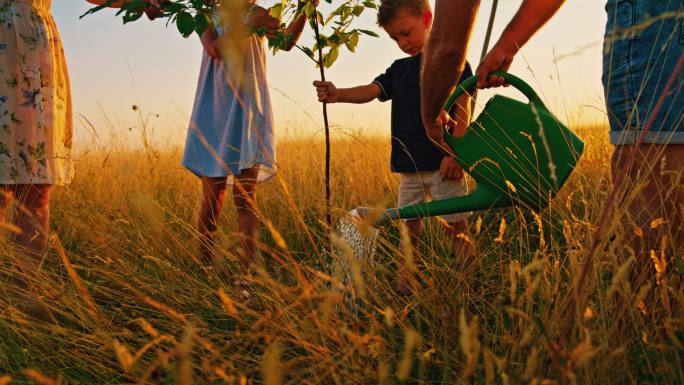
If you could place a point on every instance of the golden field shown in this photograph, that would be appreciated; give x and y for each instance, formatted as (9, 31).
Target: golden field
(133, 305)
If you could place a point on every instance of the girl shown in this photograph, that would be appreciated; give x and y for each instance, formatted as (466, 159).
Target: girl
(230, 138)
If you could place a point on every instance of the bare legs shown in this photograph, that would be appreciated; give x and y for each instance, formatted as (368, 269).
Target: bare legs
(463, 249)
(244, 197)
(31, 216)
(656, 181)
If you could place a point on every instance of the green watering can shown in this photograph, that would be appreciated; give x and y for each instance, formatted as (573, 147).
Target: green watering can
(517, 153)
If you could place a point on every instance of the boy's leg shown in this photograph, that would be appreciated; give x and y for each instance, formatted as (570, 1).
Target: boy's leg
(464, 247)
(404, 274)
(457, 224)
(411, 191)
(213, 197)
(244, 195)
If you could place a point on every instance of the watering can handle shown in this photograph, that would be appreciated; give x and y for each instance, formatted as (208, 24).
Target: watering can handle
(518, 83)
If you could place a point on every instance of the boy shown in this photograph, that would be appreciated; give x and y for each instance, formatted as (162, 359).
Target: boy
(423, 168)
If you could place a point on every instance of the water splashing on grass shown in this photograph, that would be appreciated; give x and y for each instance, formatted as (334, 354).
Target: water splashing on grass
(357, 243)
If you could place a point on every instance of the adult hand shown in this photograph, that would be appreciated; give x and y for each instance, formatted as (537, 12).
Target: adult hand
(154, 10)
(498, 59)
(449, 169)
(326, 91)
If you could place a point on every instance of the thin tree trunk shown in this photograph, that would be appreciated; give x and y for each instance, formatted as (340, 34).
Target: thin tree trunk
(328, 212)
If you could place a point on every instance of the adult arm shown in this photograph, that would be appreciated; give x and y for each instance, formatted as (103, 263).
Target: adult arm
(531, 16)
(444, 59)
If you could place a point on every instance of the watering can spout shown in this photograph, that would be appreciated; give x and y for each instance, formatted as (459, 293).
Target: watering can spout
(376, 217)
(482, 198)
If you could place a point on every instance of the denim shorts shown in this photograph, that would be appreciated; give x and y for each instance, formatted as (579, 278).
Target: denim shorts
(644, 40)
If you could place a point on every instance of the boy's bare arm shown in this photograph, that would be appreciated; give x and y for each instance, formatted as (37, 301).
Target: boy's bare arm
(461, 115)
(327, 92)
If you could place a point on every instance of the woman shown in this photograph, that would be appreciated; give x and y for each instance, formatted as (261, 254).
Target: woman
(36, 124)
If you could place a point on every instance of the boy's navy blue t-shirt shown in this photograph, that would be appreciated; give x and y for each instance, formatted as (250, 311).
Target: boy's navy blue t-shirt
(411, 149)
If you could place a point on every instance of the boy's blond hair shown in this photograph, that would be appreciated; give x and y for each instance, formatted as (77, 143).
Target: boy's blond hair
(389, 8)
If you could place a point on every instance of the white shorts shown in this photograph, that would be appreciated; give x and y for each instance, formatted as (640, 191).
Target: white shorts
(416, 187)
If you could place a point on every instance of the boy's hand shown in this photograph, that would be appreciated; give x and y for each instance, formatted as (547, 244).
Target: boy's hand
(446, 121)
(449, 169)
(436, 132)
(327, 92)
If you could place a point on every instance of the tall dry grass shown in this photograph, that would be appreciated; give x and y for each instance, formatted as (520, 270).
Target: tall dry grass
(133, 304)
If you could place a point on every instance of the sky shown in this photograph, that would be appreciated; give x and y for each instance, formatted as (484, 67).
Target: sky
(148, 64)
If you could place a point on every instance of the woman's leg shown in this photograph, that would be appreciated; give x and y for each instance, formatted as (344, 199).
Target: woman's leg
(6, 196)
(213, 197)
(32, 217)
(244, 195)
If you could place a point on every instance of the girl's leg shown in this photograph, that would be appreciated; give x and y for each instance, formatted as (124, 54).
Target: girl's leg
(213, 197)
(244, 195)
(32, 216)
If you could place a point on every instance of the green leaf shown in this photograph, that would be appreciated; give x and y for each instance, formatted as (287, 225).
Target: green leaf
(352, 41)
(334, 13)
(330, 57)
(309, 9)
(367, 32)
(358, 10)
(98, 8)
(173, 7)
(185, 23)
(131, 16)
(276, 11)
(308, 52)
(135, 6)
(201, 23)
(370, 4)
(334, 40)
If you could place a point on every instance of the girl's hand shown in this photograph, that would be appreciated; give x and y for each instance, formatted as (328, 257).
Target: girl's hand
(327, 92)
(449, 169)
(259, 17)
(211, 44)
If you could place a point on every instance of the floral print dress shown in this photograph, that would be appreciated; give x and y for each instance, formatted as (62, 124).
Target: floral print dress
(36, 124)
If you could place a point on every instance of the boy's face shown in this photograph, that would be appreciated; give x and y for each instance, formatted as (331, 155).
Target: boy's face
(409, 31)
